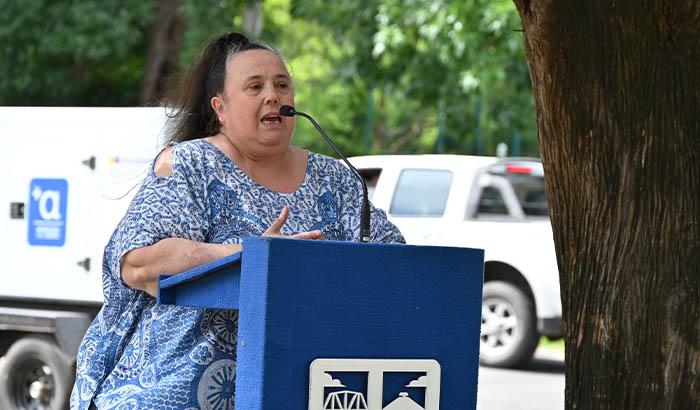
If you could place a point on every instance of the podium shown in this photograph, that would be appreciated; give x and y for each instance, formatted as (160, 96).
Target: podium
(346, 325)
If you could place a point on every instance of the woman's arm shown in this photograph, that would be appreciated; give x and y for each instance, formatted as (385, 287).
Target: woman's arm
(141, 267)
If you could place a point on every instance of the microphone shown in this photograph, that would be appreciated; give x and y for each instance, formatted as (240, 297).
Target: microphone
(365, 235)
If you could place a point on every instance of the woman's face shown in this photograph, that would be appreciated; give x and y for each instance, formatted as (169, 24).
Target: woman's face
(257, 84)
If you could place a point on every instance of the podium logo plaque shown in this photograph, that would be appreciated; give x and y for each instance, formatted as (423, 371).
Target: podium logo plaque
(328, 391)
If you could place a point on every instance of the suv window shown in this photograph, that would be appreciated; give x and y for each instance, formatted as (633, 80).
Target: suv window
(509, 190)
(491, 202)
(421, 192)
(530, 192)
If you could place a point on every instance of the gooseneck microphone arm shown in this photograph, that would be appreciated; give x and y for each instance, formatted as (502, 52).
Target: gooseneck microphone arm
(365, 234)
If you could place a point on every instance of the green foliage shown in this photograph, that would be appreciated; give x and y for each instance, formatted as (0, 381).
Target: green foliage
(205, 19)
(444, 75)
(551, 344)
(382, 76)
(73, 53)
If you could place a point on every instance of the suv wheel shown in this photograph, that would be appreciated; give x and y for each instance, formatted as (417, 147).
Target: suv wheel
(35, 375)
(508, 326)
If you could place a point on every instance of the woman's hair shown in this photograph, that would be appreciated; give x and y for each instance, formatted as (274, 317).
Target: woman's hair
(193, 117)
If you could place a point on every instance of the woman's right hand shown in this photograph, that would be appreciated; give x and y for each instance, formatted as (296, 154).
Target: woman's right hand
(275, 229)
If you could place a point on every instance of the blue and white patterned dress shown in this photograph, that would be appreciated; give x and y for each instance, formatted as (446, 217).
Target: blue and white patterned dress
(139, 355)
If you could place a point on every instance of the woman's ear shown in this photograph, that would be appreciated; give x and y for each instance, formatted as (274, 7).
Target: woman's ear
(217, 103)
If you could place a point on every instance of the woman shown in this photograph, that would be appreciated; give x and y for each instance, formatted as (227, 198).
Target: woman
(230, 172)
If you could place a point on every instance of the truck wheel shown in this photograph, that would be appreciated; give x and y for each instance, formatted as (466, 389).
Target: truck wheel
(35, 375)
(508, 326)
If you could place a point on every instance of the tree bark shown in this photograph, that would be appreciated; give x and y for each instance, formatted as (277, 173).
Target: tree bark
(617, 95)
(163, 49)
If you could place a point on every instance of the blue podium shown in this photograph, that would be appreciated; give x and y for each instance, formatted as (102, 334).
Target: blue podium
(346, 325)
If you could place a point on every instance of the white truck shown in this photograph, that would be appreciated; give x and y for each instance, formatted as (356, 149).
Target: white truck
(67, 177)
(481, 202)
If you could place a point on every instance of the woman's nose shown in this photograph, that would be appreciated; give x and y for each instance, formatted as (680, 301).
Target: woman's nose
(271, 96)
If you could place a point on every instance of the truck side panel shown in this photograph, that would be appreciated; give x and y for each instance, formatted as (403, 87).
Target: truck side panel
(67, 177)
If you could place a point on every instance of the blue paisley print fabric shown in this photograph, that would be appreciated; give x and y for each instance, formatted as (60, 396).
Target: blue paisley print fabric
(140, 355)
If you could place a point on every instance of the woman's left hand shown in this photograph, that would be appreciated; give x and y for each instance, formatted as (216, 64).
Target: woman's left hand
(275, 229)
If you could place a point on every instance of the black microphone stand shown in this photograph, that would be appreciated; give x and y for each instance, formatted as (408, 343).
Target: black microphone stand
(365, 233)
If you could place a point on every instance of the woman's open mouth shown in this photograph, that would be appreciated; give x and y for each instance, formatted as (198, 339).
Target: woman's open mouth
(271, 119)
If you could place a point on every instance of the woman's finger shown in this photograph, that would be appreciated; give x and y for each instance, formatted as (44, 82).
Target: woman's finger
(277, 225)
(309, 235)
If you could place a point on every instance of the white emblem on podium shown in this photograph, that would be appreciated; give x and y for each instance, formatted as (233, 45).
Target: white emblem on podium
(327, 392)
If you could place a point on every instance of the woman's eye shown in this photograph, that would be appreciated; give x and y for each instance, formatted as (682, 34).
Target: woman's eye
(255, 87)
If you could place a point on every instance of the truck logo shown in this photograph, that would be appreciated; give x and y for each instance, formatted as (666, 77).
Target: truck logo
(374, 384)
(48, 200)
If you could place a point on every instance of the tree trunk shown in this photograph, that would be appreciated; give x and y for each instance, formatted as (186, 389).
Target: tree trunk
(163, 49)
(617, 95)
(253, 19)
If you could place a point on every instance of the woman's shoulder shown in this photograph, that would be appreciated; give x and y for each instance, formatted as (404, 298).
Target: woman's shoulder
(187, 156)
(191, 149)
(194, 154)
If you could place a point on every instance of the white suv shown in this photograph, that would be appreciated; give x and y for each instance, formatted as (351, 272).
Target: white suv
(481, 202)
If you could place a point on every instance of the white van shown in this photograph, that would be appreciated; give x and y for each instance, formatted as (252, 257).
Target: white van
(67, 175)
(481, 202)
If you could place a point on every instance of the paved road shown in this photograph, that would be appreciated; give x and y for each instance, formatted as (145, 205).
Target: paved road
(540, 386)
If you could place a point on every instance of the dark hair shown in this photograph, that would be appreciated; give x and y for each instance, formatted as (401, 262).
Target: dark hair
(193, 117)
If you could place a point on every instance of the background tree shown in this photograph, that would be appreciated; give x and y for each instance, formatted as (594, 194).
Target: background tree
(73, 53)
(164, 45)
(617, 95)
(383, 76)
(427, 75)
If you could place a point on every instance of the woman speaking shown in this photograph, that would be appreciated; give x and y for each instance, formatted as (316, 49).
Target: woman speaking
(229, 172)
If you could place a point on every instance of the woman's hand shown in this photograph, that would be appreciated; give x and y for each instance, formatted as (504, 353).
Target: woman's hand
(275, 229)
(141, 267)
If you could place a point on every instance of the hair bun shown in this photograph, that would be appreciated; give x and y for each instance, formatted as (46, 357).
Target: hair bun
(235, 39)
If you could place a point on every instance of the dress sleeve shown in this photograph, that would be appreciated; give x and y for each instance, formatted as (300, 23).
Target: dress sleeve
(381, 229)
(164, 207)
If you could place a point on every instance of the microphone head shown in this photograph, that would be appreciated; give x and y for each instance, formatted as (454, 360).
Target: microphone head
(287, 111)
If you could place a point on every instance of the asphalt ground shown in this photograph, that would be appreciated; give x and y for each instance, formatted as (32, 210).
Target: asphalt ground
(538, 386)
